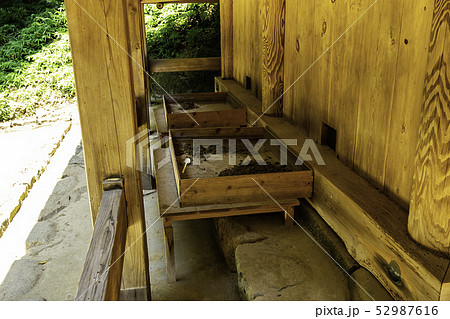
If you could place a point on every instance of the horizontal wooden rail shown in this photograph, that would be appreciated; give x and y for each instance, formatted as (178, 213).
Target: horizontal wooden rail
(177, 1)
(102, 273)
(185, 65)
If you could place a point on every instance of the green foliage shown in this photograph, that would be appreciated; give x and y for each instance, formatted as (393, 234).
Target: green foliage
(35, 60)
(183, 31)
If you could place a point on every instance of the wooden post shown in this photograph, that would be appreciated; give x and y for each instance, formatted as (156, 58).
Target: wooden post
(170, 250)
(429, 218)
(99, 37)
(226, 37)
(289, 217)
(138, 52)
(273, 56)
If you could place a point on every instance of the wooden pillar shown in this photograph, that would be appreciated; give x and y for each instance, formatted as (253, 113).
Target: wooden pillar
(226, 37)
(273, 56)
(100, 44)
(138, 52)
(429, 216)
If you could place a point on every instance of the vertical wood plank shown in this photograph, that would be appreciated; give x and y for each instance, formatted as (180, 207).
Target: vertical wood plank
(247, 43)
(289, 217)
(273, 17)
(170, 251)
(346, 74)
(407, 99)
(299, 56)
(99, 37)
(226, 36)
(325, 19)
(429, 219)
(379, 54)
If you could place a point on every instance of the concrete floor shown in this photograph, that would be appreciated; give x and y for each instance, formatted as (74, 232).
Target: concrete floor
(202, 273)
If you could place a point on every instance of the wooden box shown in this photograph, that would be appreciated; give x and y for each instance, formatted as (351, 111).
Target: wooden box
(216, 181)
(202, 110)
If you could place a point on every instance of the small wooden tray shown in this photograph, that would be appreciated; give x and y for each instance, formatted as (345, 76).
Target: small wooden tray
(201, 185)
(202, 110)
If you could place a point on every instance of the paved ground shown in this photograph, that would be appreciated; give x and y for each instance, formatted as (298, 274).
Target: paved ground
(27, 146)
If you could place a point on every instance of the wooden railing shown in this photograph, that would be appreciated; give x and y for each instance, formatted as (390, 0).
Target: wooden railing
(185, 65)
(102, 273)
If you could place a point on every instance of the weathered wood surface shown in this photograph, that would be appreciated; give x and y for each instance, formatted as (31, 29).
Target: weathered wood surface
(247, 43)
(100, 52)
(170, 250)
(161, 122)
(445, 291)
(170, 207)
(102, 273)
(207, 117)
(429, 218)
(372, 226)
(273, 34)
(185, 65)
(351, 69)
(139, 294)
(226, 37)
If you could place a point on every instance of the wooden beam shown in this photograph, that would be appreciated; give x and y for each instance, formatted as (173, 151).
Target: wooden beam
(138, 52)
(274, 12)
(429, 219)
(226, 37)
(185, 65)
(99, 37)
(102, 273)
(373, 227)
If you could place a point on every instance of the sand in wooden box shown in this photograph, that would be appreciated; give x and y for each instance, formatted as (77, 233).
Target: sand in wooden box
(210, 179)
(202, 110)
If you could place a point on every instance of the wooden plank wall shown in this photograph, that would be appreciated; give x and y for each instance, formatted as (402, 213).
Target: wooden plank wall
(247, 43)
(368, 85)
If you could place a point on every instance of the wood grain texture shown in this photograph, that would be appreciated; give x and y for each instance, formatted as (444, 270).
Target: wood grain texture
(102, 273)
(364, 86)
(238, 189)
(247, 43)
(105, 94)
(226, 37)
(170, 250)
(371, 225)
(299, 56)
(429, 219)
(407, 99)
(139, 294)
(273, 37)
(185, 65)
(207, 117)
(445, 291)
(378, 57)
(138, 52)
